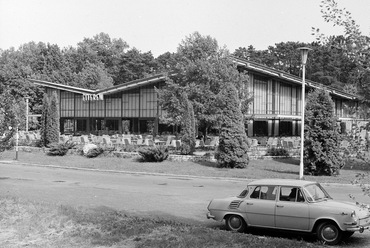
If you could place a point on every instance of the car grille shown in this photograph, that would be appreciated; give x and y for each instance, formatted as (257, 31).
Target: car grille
(235, 204)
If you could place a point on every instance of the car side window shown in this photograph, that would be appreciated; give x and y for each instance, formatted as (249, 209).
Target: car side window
(264, 193)
(292, 194)
(256, 193)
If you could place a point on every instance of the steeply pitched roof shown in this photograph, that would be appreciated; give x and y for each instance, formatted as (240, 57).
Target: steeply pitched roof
(109, 90)
(282, 75)
(62, 87)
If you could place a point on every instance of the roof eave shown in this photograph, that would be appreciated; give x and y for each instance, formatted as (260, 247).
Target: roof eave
(288, 77)
(62, 87)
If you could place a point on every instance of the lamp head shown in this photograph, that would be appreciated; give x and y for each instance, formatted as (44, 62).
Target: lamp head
(304, 54)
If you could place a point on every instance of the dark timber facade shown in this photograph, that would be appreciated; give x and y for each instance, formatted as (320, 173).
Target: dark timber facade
(133, 107)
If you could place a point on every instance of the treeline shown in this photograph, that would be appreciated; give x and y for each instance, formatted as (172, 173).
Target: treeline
(101, 61)
(95, 63)
(327, 63)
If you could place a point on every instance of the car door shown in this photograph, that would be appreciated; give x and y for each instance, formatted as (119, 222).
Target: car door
(292, 210)
(260, 206)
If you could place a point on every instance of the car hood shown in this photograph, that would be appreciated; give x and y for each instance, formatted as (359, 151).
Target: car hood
(340, 207)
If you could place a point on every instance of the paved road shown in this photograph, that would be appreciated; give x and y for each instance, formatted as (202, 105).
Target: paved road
(169, 196)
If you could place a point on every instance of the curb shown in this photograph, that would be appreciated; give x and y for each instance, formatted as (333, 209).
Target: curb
(127, 172)
(151, 173)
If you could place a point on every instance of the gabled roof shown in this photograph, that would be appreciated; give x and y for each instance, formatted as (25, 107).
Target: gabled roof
(282, 75)
(62, 87)
(133, 84)
(109, 90)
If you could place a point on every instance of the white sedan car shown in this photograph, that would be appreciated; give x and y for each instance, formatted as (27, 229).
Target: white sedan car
(295, 205)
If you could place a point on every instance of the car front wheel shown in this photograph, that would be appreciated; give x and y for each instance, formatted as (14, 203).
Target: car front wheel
(235, 223)
(329, 233)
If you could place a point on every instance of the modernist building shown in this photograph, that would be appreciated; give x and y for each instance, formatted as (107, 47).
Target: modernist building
(276, 108)
(133, 106)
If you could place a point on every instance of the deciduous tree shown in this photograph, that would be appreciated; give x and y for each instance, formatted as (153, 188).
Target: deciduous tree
(202, 71)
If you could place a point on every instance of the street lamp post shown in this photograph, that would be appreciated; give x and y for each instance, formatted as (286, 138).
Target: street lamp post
(16, 140)
(304, 54)
(27, 101)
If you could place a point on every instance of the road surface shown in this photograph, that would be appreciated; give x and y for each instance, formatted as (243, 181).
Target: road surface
(167, 196)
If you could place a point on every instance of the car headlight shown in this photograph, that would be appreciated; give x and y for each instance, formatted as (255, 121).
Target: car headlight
(353, 214)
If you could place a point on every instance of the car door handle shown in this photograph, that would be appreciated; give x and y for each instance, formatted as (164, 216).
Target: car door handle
(279, 206)
(248, 203)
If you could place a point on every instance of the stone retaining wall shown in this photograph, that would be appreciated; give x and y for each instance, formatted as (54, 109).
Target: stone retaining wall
(253, 155)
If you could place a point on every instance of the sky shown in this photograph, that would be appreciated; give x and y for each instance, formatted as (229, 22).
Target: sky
(159, 26)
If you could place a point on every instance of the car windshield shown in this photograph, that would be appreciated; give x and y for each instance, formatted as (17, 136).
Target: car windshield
(243, 193)
(315, 193)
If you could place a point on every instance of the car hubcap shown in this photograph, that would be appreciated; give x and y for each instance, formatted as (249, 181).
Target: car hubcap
(235, 222)
(329, 233)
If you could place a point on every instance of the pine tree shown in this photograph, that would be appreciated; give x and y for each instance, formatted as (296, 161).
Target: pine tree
(322, 137)
(232, 149)
(188, 129)
(44, 121)
(53, 131)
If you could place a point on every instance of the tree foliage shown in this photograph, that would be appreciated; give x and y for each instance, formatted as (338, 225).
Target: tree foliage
(49, 130)
(202, 70)
(327, 64)
(8, 119)
(353, 45)
(322, 137)
(233, 147)
(95, 63)
(44, 121)
(53, 132)
(188, 127)
(356, 47)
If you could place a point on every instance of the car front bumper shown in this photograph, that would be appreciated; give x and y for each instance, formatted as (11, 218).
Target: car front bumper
(360, 229)
(210, 216)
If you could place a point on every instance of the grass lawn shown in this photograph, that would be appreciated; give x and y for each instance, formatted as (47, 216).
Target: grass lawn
(29, 224)
(283, 168)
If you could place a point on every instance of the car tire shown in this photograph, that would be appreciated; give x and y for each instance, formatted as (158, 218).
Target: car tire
(235, 223)
(347, 234)
(329, 233)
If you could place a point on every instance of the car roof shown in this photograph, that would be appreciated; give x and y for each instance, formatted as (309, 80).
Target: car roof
(282, 182)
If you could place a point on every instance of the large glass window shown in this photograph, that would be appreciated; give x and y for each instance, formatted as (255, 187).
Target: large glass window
(260, 128)
(112, 125)
(126, 126)
(67, 126)
(286, 128)
(260, 95)
(285, 99)
(81, 125)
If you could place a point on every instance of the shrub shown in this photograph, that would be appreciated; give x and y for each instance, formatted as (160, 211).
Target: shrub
(94, 152)
(282, 152)
(154, 153)
(58, 149)
(129, 148)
